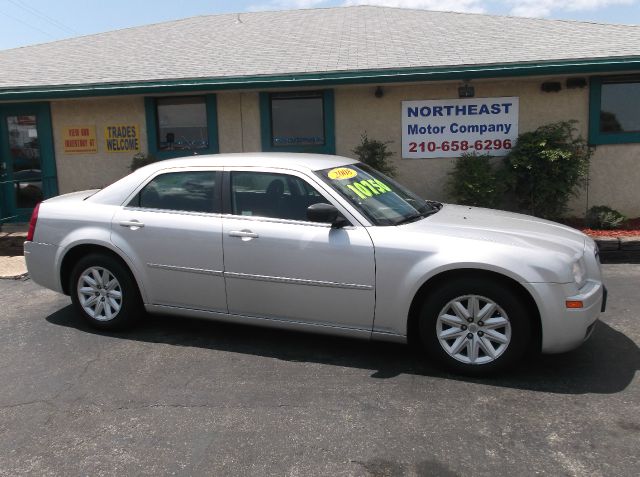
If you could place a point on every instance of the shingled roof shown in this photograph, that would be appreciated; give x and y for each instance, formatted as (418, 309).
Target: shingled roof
(262, 44)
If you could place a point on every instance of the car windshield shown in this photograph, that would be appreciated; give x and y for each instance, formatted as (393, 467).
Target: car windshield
(382, 200)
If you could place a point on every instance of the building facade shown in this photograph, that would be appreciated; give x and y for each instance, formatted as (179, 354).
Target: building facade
(71, 131)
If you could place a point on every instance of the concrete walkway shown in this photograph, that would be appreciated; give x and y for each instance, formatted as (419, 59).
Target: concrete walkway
(12, 264)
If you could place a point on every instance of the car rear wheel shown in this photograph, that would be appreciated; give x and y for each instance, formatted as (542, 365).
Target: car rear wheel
(475, 327)
(104, 292)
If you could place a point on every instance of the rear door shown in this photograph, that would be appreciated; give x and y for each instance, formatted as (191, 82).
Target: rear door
(281, 266)
(172, 231)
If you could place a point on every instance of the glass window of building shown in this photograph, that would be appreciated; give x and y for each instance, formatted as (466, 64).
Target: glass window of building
(182, 123)
(620, 106)
(297, 119)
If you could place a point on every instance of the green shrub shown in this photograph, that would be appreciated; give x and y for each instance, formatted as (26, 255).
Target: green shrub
(546, 167)
(604, 218)
(140, 160)
(475, 181)
(375, 154)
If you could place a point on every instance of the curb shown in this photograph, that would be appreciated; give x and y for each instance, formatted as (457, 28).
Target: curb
(618, 249)
(628, 244)
(22, 276)
(11, 245)
(620, 256)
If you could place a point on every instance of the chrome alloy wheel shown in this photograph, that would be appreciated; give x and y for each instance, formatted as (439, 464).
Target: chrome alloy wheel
(99, 293)
(473, 329)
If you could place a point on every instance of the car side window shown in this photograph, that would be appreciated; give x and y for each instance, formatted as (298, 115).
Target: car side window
(266, 194)
(191, 191)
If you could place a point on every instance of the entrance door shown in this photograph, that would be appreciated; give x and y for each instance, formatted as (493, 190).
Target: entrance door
(27, 164)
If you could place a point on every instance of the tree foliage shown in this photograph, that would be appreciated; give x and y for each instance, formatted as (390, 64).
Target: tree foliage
(375, 154)
(140, 160)
(604, 218)
(475, 181)
(546, 167)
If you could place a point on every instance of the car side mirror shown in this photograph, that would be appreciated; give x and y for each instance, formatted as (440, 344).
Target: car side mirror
(326, 214)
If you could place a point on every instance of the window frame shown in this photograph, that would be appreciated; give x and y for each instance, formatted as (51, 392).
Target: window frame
(596, 136)
(353, 216)
(266, 124)
(151, 112)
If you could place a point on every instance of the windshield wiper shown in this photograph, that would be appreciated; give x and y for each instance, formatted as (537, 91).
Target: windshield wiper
(413, 218)
(435, 207)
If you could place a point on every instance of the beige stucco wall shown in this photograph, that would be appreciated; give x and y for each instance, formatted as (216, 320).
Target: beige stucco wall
(89, 171)
(615, 170)
(615, 178)
(358, 110)
(238, 122)
(238, 131)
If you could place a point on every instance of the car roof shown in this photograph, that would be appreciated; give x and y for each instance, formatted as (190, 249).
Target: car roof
(118, 191)
(287, 160)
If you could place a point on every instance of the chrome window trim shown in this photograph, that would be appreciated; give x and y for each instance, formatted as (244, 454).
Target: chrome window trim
(173, 211)
(275, 220)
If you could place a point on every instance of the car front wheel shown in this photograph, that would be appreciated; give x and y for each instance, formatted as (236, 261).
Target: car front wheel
(104, 292)
(475, 327)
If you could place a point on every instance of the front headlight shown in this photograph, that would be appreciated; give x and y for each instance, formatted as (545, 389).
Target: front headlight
(579, 272)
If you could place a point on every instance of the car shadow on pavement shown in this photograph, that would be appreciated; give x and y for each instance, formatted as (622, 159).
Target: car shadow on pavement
(605, 364)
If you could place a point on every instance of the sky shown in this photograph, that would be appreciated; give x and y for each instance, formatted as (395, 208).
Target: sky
(27, 22)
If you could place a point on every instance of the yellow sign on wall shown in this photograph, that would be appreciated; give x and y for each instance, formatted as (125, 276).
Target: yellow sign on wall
(122, 138)
(79, 140)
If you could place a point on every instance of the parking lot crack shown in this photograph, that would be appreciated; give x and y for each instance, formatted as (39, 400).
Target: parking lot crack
(164, 406)
(27, 403)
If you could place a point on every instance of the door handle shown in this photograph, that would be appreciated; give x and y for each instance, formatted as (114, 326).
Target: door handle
(134, 224)
(243, 234)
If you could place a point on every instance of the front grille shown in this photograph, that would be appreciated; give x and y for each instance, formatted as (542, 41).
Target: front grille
(590, 329)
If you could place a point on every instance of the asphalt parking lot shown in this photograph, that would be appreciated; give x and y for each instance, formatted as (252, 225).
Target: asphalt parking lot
(188, 397)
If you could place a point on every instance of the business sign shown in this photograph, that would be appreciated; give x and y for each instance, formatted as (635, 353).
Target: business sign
(79, 140)
(122, 138)
(452, 127)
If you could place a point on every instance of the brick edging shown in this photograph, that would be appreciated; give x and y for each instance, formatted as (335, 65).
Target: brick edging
(619, 249)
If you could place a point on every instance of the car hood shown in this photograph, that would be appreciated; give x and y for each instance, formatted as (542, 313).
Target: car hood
(501, 227)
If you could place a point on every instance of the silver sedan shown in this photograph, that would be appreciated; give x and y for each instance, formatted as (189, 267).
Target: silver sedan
(322, 244)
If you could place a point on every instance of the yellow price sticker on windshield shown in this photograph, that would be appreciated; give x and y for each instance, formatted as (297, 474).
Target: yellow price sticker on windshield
(368, 188)
(341, 173)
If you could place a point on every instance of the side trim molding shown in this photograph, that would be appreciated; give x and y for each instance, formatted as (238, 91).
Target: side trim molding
(297, 281)
(263, 278)
(174, 268)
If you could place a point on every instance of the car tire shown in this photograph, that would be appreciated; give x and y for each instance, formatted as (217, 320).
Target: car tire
(104, 293)
(474, 326)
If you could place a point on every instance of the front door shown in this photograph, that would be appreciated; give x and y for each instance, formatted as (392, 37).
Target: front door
(27, 164)
(278, 265)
